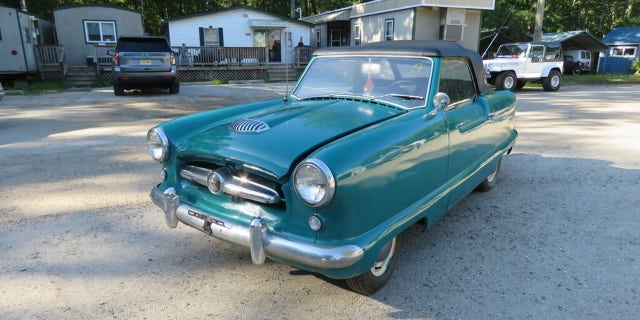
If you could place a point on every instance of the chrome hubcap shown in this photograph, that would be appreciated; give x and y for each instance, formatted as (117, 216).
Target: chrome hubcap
(509, 82)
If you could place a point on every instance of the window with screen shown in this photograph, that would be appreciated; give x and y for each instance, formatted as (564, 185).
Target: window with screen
(100, 31)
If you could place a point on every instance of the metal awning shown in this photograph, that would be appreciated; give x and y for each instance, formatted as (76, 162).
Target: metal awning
(267, 23)
(331, 16)
(579, 39)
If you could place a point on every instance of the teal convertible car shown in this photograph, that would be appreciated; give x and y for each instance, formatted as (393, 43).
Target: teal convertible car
(371, 140)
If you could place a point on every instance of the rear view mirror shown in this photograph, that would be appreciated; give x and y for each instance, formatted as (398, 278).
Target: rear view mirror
(369, 68)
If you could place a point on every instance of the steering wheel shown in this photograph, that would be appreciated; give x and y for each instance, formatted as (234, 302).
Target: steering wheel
(402, 87)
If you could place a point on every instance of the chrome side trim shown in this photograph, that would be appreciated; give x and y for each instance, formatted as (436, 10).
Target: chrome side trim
(258, 237)
(231, 184)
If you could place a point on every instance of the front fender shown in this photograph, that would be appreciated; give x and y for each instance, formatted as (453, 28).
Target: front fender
(380, 173)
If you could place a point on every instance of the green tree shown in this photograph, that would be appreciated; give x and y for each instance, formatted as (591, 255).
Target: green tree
(595, 16)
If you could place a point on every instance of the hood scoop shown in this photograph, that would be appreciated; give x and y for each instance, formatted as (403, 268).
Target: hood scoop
(248, 126)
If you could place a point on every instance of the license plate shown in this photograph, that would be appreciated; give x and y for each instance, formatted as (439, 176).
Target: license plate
(145, 62)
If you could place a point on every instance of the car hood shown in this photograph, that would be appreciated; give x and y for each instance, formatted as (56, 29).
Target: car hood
(271, 141)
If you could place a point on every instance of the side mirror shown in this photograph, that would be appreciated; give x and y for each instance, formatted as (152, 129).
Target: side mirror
(110, 52)
(441, 100)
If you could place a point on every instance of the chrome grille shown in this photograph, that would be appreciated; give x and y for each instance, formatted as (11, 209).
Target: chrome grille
(248, 126)
(231, 184)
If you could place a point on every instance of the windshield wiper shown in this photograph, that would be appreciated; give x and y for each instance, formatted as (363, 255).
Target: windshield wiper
(402, 96)
(340, 96)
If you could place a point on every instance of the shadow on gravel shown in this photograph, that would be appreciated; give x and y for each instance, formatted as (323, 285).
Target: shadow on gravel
(556, 238)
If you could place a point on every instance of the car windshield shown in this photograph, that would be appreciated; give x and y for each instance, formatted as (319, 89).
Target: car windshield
(397, 80)
(512, 50)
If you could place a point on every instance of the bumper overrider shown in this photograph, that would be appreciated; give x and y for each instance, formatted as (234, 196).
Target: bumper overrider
(255, 235)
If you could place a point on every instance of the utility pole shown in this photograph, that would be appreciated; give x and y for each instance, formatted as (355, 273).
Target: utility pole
(537, 29)
(293, 9)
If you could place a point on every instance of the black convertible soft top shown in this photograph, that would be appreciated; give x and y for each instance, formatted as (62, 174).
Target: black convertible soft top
(422, 48)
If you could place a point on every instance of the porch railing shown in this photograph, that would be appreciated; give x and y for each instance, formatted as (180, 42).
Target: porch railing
(49, 56)
(53, 56)
(219, 56)
(302, 54)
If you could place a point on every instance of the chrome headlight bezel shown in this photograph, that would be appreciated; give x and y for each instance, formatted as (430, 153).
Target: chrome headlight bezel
(314, 183)
(158, 144)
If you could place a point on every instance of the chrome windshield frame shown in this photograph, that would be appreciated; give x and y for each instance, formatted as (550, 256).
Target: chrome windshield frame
(378, 99)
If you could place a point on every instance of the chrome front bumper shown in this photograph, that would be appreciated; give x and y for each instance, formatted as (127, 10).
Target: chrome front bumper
(256, 236)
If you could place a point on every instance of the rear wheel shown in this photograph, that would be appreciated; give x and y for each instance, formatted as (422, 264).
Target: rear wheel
(376, 277)
(553, 81)
(506, 81)
(174, 88)
(118, 90)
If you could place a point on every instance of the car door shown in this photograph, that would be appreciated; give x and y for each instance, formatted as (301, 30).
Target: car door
(466, 120)
(537, 65)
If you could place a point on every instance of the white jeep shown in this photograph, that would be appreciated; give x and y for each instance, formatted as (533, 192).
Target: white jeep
(515, 64)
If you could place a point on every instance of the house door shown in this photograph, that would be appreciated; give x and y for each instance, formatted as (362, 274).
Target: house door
(336, 38)
(275, 46)
(270, 39)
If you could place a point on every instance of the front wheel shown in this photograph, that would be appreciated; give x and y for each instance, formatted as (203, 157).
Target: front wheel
(553, 81)
(490, 181)
(375, 278)
(506, 81)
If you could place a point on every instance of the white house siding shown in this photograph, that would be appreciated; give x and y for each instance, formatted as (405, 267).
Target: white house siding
(373, 26)
(380, 6)
(70, 28)
(471, 31)
(375, 7)
(323, 35)
(237, 31)
(421, 23)
(471, 4)
(427, 23)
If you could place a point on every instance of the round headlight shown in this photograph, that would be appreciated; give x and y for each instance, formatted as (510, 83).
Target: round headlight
(314, 182)
(158, 144)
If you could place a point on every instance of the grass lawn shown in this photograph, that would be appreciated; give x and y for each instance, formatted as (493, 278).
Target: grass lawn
(601, 79)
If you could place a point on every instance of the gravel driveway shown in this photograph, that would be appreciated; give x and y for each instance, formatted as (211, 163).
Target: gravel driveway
(558, 238)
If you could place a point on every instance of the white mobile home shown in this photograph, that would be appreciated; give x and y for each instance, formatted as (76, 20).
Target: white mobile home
(388, 20)
(240, 26)
(20, 31)
(83, 28)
